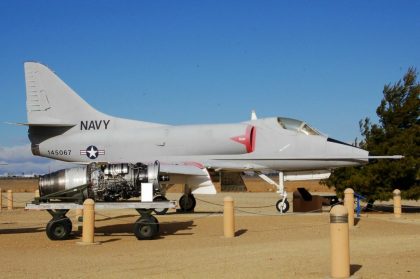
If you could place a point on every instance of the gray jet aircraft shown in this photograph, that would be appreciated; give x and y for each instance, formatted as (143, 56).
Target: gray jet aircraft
(118, 154)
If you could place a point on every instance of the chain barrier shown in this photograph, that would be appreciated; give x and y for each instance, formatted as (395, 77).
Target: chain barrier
(126, 217)
(240, 209)
(374, 208)
(5, 197)
(249, 207)
(110, 217)
(277, 214)
(289, 227)
(29, 226)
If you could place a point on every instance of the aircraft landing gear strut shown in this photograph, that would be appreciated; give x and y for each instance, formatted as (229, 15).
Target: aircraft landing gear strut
(187, 201)
(282, 204)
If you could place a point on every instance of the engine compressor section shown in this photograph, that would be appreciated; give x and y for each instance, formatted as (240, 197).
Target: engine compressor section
(100, 182)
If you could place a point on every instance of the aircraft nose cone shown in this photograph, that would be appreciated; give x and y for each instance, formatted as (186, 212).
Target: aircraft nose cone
(347, 152)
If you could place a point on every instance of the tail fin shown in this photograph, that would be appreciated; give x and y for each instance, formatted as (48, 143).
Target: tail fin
(49, 101)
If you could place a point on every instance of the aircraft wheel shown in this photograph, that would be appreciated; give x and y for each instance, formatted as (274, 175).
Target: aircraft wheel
(146, 227)
(59, 229)
(282, 207)
(160, 211)
(187, 203)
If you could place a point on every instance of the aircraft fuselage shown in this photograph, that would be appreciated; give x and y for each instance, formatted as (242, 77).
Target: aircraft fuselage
(258, 144)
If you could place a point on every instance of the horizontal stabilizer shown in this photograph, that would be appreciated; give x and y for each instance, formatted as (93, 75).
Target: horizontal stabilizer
(41, 124)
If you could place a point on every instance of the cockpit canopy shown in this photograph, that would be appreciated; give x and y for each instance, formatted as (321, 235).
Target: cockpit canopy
(297, 126)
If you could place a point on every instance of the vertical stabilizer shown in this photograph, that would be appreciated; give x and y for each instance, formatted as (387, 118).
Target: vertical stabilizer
(50, 101)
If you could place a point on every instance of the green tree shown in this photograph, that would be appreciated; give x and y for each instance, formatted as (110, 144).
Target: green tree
(397, 133)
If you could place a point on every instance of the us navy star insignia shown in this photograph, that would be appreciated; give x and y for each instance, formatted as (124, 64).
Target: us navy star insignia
(92, 152)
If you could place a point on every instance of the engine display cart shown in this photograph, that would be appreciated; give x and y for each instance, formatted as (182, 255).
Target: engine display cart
(60, 226)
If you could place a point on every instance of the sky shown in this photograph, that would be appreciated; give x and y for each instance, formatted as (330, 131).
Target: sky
(191, 62)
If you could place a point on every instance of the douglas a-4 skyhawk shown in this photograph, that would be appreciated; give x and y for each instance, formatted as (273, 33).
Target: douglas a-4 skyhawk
(117, 155)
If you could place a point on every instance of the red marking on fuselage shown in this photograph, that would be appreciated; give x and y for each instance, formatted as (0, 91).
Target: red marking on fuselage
(248, 139)
(195, 164)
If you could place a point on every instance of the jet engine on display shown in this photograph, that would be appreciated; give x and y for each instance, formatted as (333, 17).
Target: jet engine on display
(101, 182)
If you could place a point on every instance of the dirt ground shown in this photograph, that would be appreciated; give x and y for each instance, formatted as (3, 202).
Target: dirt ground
(267, 244)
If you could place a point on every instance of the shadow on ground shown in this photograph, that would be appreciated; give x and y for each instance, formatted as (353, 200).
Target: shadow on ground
(106, 218)
(165, 228)
(240, 232)
(21, 230)
(354, 268)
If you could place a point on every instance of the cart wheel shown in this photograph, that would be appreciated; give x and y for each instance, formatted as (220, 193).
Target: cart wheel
(59, 229)
(155, 220)
(146, 228)
(160, 211)
(282, 207)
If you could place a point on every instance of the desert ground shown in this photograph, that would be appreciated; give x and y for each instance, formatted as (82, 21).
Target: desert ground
(267, 244)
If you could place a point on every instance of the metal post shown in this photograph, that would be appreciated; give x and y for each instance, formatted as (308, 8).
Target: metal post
(340, 246)
(228, 217)
(349, 204)
(9, 200)
(397, 203)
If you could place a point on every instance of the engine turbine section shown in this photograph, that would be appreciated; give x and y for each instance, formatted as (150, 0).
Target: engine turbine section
(108, 182)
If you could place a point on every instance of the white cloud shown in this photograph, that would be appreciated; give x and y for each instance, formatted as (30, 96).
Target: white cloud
(19, 159)
(14, 153)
